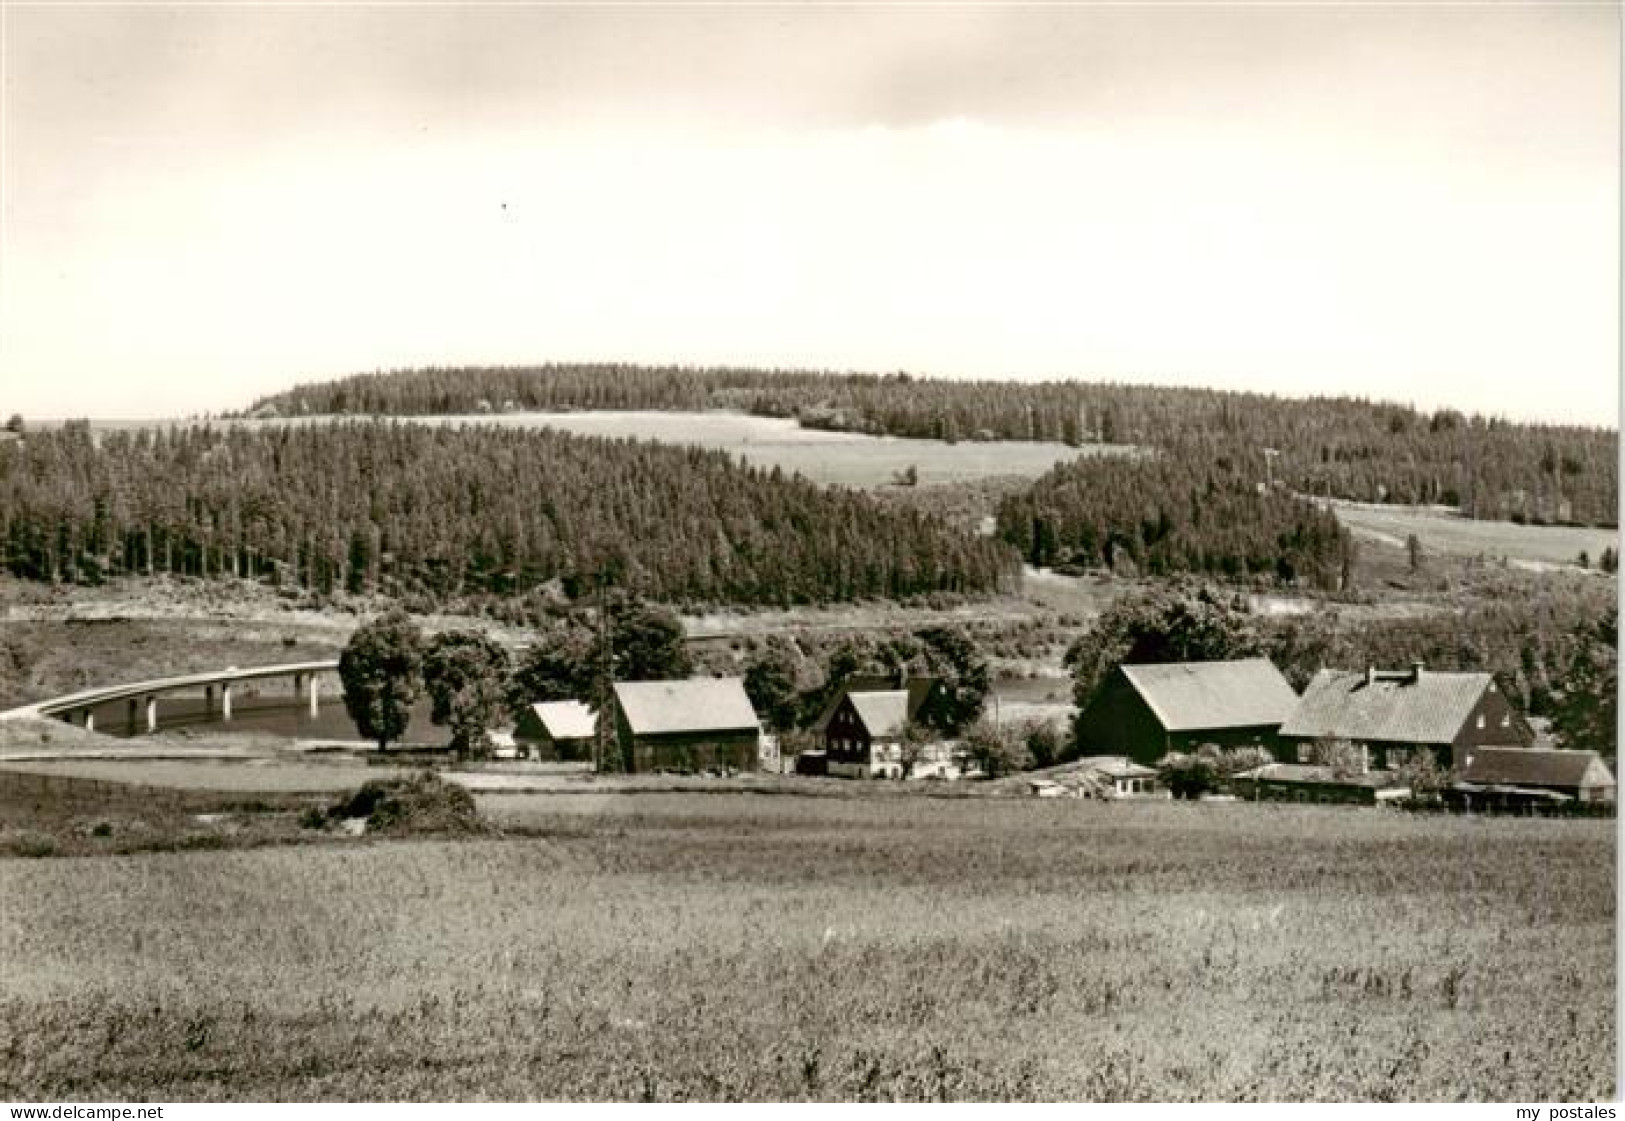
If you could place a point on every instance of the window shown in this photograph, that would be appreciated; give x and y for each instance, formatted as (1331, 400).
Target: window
(1481, 721)
(1303, 753)
(1506, 720)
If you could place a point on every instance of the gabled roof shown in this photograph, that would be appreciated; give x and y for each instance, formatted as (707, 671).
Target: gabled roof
(1191, 696)
(916, 688)
(883, 715)
(1534, 766)
(1426, 708)
(699, 704)
(566, 720)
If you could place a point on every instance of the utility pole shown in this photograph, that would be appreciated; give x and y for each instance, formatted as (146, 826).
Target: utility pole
(606, 689)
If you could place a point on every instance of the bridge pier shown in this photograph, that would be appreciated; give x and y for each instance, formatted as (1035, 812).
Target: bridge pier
(315, 701)
(225, 702)
(152, 714)
(90, 720)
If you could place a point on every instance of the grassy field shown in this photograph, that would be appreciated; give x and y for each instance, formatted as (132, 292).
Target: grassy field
(668, 946)
(1441, 532)
(847, 458)
(46, 814)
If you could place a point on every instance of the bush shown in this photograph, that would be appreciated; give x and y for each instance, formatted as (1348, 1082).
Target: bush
(31, 843)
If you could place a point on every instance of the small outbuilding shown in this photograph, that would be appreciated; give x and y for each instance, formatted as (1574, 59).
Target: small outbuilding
(1111, 778)
(557, 730)
(1296, 782)
(701, 723)
(1144, 712)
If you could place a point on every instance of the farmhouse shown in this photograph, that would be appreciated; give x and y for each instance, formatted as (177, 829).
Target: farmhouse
(1391, 715)
(558, 730)
(1296, 782)
(1508, 774)
(864, 729)
(687, 725)
(1146, 711)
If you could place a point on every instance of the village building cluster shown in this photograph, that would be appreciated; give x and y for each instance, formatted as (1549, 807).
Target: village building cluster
(1352, 736)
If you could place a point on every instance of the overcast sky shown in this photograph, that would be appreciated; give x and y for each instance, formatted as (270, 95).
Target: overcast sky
(1417, 203)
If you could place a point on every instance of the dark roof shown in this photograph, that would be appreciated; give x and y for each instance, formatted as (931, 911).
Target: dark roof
(1319, 775)
(1191, 696)
(1400, 707)
(1535, 766)
(917, 689)
(700, 704)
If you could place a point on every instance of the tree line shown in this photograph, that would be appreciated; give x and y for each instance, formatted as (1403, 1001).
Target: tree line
(405, 509)
(1346, 447)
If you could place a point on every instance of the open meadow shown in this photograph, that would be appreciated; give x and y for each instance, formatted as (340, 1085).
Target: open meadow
(1442, 531)
(746, 946)
(852, 459)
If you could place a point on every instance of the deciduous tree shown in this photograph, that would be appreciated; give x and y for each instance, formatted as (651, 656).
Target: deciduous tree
(381, 669)
(466, 675)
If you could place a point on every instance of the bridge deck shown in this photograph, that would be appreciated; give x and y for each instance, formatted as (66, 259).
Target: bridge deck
(90, 698)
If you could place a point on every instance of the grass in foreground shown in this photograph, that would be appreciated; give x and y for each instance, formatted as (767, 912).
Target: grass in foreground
(742, 946)
(51, 815)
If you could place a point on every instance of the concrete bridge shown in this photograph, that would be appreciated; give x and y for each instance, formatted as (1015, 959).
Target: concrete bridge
(80, 707)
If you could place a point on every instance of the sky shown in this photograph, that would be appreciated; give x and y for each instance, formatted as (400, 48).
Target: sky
(203, 204)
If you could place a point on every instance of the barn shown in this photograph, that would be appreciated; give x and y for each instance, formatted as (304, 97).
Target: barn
(1392, 715)
(1146, 711)
(557, 730)
(691, 725)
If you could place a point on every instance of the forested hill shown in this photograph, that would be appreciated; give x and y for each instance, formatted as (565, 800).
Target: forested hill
(1191, 510)
(409, 509)
(1341, 448)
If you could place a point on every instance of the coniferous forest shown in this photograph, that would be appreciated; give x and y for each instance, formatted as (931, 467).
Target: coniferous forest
(1329, 447)
(408, 509)
(1185, 510)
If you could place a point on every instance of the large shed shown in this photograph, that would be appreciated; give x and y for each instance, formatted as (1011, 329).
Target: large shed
(1146, 711)
(1392, 715)
(1580, 775)
(687, 725)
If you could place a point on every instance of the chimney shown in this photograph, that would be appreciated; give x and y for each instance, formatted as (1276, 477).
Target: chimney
(1416, 671)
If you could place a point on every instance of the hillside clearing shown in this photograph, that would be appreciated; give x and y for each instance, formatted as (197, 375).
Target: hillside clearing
(850, 459)
(1441, 531)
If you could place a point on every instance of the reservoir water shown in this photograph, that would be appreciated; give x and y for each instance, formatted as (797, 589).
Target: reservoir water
(262, 709)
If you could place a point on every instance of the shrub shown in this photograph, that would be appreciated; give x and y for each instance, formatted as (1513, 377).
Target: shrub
(31, 843)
